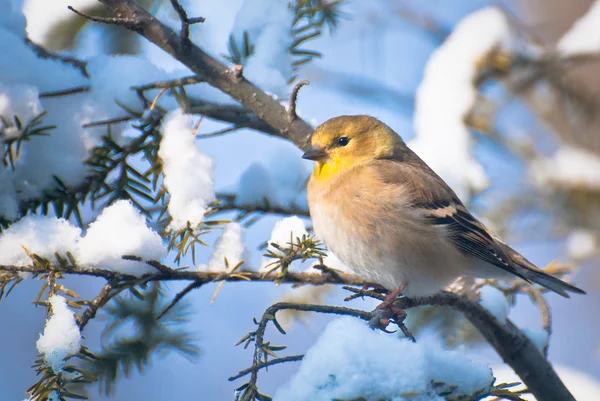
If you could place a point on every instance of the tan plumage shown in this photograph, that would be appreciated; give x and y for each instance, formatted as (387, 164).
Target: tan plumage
(394, 221)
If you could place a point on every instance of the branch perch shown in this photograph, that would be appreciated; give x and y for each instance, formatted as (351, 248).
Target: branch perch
(516, 349)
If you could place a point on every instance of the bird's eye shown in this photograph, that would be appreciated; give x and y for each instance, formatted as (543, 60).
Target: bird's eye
(343, 141)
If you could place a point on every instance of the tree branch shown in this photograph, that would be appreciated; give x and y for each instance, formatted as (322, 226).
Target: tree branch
(515, 348)
(168, 274)
(268, 110)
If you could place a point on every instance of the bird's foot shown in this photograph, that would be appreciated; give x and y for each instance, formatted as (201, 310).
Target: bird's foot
(381, 318)
(390, 298)
(387, 312)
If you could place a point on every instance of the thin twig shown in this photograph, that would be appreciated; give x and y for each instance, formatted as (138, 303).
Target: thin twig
(189, 80)
(293, 98)
(66, 92)
(185, 21)
(219, 132)
(189, 288)
(99, 301)
(128, 23)
(227, 203)
(242, 373)
(46, 54)
(115, 120)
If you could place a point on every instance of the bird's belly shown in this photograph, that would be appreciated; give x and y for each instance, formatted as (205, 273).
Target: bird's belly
(373, 255)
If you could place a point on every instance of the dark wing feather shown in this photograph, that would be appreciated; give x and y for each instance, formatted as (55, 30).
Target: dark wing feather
(467, 233)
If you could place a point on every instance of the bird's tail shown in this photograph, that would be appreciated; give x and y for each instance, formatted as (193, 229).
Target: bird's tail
(536, 275)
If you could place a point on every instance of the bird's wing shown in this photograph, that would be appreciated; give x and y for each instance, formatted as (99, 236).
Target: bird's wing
(438, 203)
(467, 233)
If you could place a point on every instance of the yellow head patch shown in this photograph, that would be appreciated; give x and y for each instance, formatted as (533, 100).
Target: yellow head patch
(351, 140)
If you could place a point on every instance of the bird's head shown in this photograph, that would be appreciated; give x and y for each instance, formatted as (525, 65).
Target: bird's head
(345, 141)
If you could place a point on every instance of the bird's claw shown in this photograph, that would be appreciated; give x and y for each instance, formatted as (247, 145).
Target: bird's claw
(382, 317)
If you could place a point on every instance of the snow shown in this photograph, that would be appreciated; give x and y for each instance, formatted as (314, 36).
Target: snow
(42, 15)
(256, 185)
(584, 34)
(61, 337)
(270, 65)
(286, 231)
(42, 235)
(188, 173)
(447, 92)
(350, 361)
(495, 302)
(581, 244)
(120, 230)
(282, 181)
(230, 245)
(569, 167)
(539, 337)
(333, 262)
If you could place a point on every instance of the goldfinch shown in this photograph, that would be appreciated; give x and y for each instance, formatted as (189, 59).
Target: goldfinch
(394, 221)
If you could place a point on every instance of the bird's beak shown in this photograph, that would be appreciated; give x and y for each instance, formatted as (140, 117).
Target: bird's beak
(315, 153)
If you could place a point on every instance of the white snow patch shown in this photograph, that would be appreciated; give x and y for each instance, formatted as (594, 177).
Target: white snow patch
(568, 167)
(255, 186)
(61, 337)
(120, 230)
(43, 15)
(495, 302)
(538, 336)
(581, 244)
(230, 245)
(333, 262)
(447, 94)
(269, 27)
(42, 235)
(188, 172)
(584, 34)
(285, 232)
(282, 182)
(349, 361)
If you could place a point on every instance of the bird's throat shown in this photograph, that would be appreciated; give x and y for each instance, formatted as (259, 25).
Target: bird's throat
(328, 169)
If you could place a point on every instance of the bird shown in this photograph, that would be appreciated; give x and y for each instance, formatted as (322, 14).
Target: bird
(395, 222)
